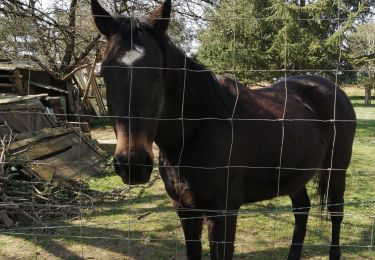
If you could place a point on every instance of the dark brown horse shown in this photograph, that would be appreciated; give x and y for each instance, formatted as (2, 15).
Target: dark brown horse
(222, 144)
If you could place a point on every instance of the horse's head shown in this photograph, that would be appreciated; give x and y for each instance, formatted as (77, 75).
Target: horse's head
(132, 71)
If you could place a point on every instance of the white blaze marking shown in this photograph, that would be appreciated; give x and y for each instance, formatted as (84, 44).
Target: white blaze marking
(132, 56)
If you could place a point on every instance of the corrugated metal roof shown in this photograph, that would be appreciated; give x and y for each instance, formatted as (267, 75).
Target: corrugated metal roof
(13, 66)
(6, 99)
(45, 86)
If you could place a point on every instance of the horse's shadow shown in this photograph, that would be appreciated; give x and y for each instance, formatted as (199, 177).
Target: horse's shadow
(120, 243)
(124, 243)
(72, 241)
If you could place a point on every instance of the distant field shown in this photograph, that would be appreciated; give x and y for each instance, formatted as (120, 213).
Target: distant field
(146, 227)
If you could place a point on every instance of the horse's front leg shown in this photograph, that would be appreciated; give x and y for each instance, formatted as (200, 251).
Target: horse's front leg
(221, 234)
(192, 222)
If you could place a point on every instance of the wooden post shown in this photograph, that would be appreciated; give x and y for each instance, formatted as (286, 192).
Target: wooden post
(71, 102)
(18, 82)
(89, 80)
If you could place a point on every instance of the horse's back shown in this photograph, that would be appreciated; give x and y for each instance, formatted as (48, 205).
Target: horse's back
(327, 99)
(260, 142)
(320, 122)
(332, 104)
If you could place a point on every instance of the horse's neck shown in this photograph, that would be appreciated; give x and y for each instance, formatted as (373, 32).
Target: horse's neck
(194, 94)
(173, 132)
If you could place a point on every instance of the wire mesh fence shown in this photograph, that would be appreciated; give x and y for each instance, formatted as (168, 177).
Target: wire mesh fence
(102, 218)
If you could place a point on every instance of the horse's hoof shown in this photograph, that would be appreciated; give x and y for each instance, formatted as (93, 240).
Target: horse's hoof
(293, 257)
(294, 254)
(334, 253)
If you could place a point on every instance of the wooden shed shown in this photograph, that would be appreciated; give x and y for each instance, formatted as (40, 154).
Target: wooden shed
(77, 93)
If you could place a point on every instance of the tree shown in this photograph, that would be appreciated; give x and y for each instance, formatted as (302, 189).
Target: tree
(49, 36)
(361, 47)
(62, 36)
(258, 40)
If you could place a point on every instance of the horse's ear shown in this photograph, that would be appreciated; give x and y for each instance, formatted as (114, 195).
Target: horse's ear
(159, 19)
(105, 23)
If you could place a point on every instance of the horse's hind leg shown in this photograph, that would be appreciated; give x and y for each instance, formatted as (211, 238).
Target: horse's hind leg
(301, 207)
(221, 234)
(336, 208)
(192, 222)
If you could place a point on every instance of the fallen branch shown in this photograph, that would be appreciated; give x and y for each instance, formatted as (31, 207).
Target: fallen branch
(42, 66)
(5, 143)
(143, 215)
(75, 70)
(28, 201)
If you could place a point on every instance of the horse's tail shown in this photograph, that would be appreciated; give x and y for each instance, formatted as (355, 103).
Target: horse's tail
(321, 190)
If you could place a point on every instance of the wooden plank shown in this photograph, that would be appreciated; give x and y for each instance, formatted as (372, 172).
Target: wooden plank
(84, 126)
(87, 107)
(91, 86)
(11, 76)
(98, 97)
(25, 116)
(47, 148)
(46, 133)
(7, 85)
(92, 144)
(24, 122)
(77, 164)
(45, 86)
(58, 137)
(89, 80)
(21, 98)
(5, 95)
(22, 107)
(80, 161)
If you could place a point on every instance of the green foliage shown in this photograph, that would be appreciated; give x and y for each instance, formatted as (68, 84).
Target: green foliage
(100, 122)
(103, 230)
(361, 48)
(257, 40)
(239, 39)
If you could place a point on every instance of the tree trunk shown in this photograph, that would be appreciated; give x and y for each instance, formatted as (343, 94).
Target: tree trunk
(71, 39)
(368, 94)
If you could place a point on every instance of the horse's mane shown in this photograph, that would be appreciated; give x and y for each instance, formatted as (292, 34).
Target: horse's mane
(204, 97)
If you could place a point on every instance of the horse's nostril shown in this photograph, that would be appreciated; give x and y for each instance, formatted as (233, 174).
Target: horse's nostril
(134, 167)
(116, 165)
(120, 159)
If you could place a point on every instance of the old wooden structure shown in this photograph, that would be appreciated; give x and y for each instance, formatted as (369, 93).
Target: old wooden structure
(47, 115)
(78, 93)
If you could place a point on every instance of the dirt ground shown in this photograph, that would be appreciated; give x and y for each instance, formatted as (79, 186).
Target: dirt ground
(103, 133)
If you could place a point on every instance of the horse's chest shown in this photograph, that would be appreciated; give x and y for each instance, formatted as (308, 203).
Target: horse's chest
(177, 187)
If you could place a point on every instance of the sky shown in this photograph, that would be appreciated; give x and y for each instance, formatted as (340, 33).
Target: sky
(46, 3)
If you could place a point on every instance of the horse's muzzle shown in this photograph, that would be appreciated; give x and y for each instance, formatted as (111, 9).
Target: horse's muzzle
(134, 167)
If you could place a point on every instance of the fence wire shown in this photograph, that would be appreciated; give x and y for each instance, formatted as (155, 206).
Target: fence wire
(139, 231)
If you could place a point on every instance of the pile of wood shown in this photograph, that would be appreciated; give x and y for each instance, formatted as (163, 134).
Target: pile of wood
(28, 199)
(45, 160)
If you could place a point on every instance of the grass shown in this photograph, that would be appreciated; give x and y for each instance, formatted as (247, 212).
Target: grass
(118, 231)
(99, 122)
